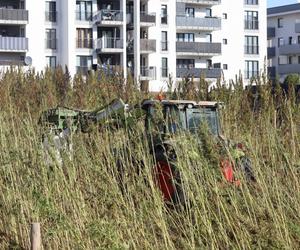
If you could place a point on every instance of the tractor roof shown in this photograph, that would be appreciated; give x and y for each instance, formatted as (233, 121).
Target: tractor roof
(181, 102)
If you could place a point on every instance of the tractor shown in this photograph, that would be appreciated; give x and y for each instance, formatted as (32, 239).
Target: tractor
(163, 120)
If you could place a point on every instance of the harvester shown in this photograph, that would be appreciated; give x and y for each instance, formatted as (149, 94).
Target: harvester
(162, 119)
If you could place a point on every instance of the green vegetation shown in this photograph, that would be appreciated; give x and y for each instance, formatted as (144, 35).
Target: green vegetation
(80, 205)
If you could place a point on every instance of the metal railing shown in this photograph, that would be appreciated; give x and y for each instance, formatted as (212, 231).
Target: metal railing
(251, 49)
(198, 72)
(51, 16)
(147, 17)
(14, 14)
(200, 23)
(289, 49)
(84, 16)
(164, 72)
(148, 45)
(51, 43)
(84, 43)
(288, 68)
(148, 72)
(164, 45)
(109, 15)
(109, 43)
(199, 48)
(251, 74)
(13, 43)
(251, 24)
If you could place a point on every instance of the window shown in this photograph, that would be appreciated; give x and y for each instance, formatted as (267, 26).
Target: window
(84, 38)
(290, 40)
(164, 14)
(190, 12)
(251, 20)
(251, 45)
(224, 15)
(164, 41)
(280, 22)
(290, 60)
(50, 38)
(208, 38)
(84, 64)
(224, 41)
(208, 12)
(164, 67)
(185, 37)
(84, 10)
(209, 63)
(280, 41)
(51, 61)
(50, 11)
(298, 39)
(251, 69)
(185, 63)
(225, 66)
(298, 59)
(251, 2)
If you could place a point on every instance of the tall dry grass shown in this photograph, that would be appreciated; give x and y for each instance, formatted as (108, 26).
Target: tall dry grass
(81, 205)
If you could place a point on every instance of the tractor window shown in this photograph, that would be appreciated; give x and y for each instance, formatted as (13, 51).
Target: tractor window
(172, 119)
(196, 116)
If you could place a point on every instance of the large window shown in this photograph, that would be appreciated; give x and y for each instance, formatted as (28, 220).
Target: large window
(251, 2)
(164, 67)
(185, 37)
(51, 61)
(50, 38)
(280, 41)
(84, 64)
(189, 12)
(280, 22)
(50, 12)
(251, 20)
(251, 69)
(164, 14)
(84, 10)
(251, 45)
(84, 38)
(164, 41)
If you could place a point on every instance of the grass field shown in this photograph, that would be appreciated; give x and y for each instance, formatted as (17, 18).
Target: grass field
(81, 206)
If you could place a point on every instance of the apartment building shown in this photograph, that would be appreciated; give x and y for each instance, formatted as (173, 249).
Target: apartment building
(284, 40)
(151, 40)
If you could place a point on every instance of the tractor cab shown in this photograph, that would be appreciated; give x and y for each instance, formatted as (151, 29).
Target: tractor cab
(172, 116)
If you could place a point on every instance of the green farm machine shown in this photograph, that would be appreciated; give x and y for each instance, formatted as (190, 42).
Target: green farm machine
(162, 120)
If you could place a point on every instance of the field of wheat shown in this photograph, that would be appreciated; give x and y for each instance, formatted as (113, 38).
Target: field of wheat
(80, 204)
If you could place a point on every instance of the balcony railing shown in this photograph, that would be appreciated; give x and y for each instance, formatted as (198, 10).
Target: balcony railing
(251, 74)
(84, 16)
(148, 72)
(109, 16)
(208, 23)
(200, 2)
(51, 43)
(252, 50)
(198, 48)
(289, 68)
(14, 14)
(109, 43)
(86, 43)
(198, 73)
(147, 17)
(13, 44)
(148, 45)
(51, 16)
(271, 52)
(251, 24)
(289, 49)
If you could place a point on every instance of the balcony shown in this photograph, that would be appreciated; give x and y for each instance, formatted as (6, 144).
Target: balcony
(13, 16)
(200, 2)
(198, 73)
(147, 19)
(147, 73)
(271, 32)
(109, 45)
(297, 27)
(13, 44)
(271, 52)
(198, 49)
(289, 49)
(288, 69)
(109, 18)
(51, 16)
(148, 46)
(196, 23)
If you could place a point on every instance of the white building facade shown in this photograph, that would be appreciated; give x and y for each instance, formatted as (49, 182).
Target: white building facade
(154, 41)
(284, 41)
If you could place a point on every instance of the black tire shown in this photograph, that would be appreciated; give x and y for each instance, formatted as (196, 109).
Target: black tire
(168, 178)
